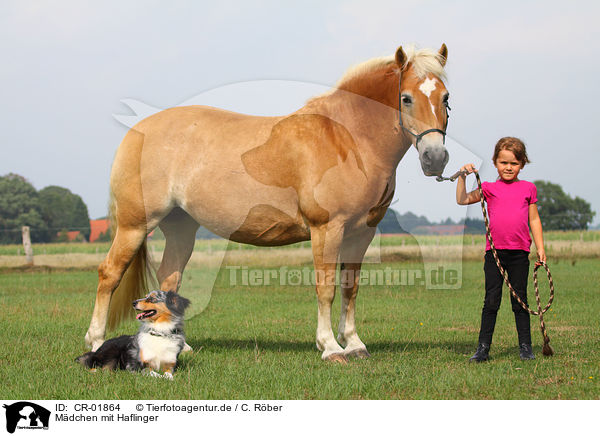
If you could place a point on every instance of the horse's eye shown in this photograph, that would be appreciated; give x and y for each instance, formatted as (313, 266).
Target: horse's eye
(446, 99)
(406, 99)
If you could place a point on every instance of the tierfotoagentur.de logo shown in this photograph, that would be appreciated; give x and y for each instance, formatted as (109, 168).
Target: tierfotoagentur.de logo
(26, 415)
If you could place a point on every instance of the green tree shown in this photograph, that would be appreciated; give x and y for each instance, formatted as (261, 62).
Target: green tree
(408, 221)
(64, 210)
(389, 223)
(19, 206)
(474, 226)
(559, 211)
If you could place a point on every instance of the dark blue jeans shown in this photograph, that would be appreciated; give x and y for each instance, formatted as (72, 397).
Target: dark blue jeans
(516, 264)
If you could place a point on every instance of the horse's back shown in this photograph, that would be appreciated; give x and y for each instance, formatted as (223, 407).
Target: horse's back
(176, 143)
(175, 128)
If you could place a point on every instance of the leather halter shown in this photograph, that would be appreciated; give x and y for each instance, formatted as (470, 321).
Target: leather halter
(419, 136)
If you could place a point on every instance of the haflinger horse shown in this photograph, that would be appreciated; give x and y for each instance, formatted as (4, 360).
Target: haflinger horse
(325, 173)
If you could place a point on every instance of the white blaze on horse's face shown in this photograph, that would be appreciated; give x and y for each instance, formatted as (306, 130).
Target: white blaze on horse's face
(426, 88)
(424, 107)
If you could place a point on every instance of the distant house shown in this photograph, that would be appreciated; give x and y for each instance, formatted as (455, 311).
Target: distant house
(98, 227)
(68, 236)
(457, 229)
(72, 235)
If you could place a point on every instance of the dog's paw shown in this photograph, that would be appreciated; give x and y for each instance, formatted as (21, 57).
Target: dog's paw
(167, 375)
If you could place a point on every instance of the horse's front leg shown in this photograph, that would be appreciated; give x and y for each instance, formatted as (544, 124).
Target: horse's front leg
(326, 241)
(351, 257)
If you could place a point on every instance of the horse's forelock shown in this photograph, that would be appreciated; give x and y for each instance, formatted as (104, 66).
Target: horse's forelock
(424, 61)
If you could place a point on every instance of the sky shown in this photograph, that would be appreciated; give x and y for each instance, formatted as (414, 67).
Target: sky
(73, 72)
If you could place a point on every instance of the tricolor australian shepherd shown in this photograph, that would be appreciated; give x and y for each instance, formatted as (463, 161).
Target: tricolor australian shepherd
(156, 345)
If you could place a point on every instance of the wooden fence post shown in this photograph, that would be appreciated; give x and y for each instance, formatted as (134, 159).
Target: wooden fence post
(27, 246)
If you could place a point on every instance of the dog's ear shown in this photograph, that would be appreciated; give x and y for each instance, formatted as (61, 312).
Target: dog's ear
(177, 302)
(183, 302)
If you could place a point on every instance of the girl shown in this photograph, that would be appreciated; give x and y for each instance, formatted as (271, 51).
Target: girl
(511, 206)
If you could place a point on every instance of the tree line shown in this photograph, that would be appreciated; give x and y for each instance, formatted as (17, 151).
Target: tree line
(558, 211)
(54, 210)
(49, 213)
(395, 222)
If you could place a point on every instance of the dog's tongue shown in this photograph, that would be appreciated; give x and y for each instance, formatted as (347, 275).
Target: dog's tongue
(145, 314)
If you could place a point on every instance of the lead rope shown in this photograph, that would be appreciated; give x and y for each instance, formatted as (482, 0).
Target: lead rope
(546, 348)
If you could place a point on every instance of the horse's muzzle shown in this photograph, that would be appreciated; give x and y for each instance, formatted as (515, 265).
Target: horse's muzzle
(433, 159)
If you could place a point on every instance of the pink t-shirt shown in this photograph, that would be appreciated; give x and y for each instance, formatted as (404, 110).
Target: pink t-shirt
(508, 209)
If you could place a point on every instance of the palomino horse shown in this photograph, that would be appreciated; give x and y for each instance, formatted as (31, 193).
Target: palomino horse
(325, 173)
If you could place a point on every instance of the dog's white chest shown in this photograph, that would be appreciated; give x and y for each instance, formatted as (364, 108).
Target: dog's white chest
(158, 349)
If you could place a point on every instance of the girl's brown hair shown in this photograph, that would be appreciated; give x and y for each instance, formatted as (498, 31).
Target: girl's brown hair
(512, 144)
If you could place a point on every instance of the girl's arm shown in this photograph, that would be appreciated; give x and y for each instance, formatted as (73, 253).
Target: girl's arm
(461, 191)
(535, 224)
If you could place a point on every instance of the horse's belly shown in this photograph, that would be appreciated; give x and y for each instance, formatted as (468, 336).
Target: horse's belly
(230, 203)
(266, 225)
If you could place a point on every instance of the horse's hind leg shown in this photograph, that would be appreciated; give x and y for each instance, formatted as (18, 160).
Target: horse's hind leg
(124, 247)
(351, 257)
(180, 234)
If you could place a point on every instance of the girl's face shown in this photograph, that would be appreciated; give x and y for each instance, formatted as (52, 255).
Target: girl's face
(507, 165)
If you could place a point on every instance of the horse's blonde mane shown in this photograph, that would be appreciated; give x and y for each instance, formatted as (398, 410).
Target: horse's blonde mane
(424, 61)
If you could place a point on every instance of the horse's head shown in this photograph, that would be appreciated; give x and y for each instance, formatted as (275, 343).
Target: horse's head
(423, 101)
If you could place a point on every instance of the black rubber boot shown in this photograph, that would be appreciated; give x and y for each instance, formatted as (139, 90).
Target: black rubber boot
(482, 354)
(525, 352)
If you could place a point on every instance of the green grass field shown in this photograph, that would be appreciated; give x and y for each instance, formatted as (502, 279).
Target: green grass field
(258, 342)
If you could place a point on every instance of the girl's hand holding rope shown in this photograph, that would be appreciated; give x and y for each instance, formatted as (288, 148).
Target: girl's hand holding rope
(467, 169)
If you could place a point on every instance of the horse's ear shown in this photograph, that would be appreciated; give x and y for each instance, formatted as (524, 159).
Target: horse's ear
(401, 58)
(444, 54)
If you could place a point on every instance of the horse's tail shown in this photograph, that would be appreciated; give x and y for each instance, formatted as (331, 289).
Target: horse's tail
(133, 284)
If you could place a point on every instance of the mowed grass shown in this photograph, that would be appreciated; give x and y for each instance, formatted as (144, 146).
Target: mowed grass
(208, 245)
(258, 343)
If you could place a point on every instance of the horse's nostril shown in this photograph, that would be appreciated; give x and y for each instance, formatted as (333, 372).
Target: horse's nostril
(426, 157)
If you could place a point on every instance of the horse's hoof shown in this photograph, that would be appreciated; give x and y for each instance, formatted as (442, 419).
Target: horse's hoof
(89, 342)
(359, 353)
(96, 345)
(336, 358)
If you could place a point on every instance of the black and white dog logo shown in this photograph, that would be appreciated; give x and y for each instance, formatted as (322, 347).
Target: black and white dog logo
(26, 415)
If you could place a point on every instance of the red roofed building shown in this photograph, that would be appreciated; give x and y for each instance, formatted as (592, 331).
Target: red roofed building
(97, 227)
(72, 235)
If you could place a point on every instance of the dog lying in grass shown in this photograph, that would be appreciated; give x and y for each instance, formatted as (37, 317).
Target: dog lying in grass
(157, 343)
